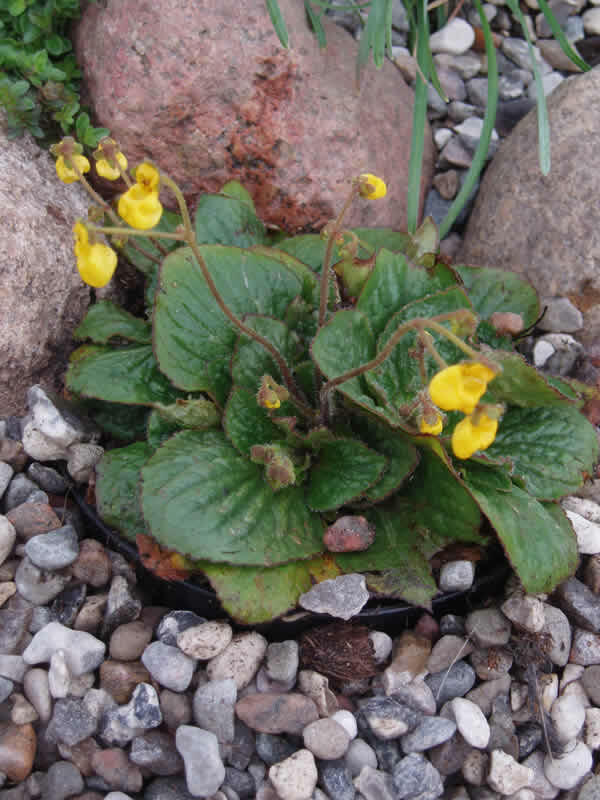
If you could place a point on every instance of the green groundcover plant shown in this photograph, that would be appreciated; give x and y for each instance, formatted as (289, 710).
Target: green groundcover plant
(279, 383)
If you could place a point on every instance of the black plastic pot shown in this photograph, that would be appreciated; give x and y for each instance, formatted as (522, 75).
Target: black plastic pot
(387, 615)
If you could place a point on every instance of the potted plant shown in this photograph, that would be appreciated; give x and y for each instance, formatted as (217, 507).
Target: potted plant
(303, 407)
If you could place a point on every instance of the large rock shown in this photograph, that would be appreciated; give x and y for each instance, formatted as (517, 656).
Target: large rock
(42, 297)
(547, 228)
(206, 91)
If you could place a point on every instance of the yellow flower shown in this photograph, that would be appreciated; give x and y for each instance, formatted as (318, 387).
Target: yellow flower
(67, 174)
(96, 262)
(434, 428)
(472, 433)
(104, 169)
(460, 387)
(371, 187)
(140, 206)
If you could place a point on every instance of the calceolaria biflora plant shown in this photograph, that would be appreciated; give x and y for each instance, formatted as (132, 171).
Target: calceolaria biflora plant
(280, 383)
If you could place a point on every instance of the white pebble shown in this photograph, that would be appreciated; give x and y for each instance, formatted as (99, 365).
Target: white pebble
(471, 722)
(568, 716)
(382, 645)
(347, 720)
(525, 611)
(7, 538)
(542, 351)
(592, 728)
(587, 533)
(566, 772)
(295, 778)
(83, 652)
(59, 677)
(456, 38)
(506, 775)
(240, 660)
(591, 21)
(457, 576)
(441, 137)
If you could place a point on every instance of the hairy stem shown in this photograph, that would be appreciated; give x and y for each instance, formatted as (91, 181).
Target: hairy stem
(335, 229)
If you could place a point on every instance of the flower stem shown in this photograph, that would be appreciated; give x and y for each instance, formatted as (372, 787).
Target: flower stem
(335, 229)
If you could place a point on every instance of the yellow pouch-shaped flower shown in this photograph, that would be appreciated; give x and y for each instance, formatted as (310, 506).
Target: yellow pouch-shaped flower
(372, 187)
(140, 207)
(434, 428)
(460, 387)
(68, 175)
(470, 436)
(96, 263)
(104, 169)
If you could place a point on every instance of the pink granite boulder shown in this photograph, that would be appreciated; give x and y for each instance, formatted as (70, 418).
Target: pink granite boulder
(206, 91)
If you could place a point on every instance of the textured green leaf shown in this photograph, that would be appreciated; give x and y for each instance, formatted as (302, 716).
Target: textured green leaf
(118, 488)
(204, 500)
(411, 582)
(537, 537)
(198, 413)
(346, 341)
(222, 219)
(493, 290)
(519, 384)
(398, 379)
(253, 595)
(375, 238)
(239, 192)
(308, 248)
(310, 283)
(126, 375)
(246, 423)
(395, 282)
(126, 423)
(105, 320)
(401, 454)
(251, 361)
(135, 247)
(343, 470)
(194, 340)
(550, 448)
(158, 429)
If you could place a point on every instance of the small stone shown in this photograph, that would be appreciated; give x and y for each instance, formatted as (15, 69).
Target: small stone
(117, 770)
(240, 660)
(12, 667)
(204, 769)
(316, 686)
(22, 711)
(295, 778)
(560, 316)
(205, 641)
(156, 751)
(8, 535)
(81, 460)
(374, 784)
(67, 604)
(6, 473)
(382, 646)
(47, 478)
(590, 679)
(53, 550)
(456, 576)
(272, 749)
(388, 718)
(590, 789)
(591, 21)
(336, 781)
(491, 663)
(282, 661)
(7, 590)
(17, 751)
(430, 732)
(347, 720)
(97, 701)
(59, 677)
(326, 738)
(409, 661)
(37, 691)
(417, 695)
(242, 747)
(488, 627)
(174, 623)
(452, 682)
(506, 775)
(168, 666)
(568, 716)
(277, 713)
(358, 755)
(176, 708)
(120, 725)
(592, 728)
(542, 353)
(19, 489)
(123, 605)
(415, 776)
(447, 651)
(475, 767)
(470, 130)
(341, 597)
(525, 612)
(128, 641)
(91, 614)
(13, 627)
(455, 154)
(92, 565)
(477, 92)
(567, 771)
(449, 757)
(349, 534)
(587, 533)
(6, 688)
(83, 652)
(579, 604)
(213, 705)
(71, 721)
(585, 649)
(38, 586)
(456, 37)
(471, 722)
(557, 626)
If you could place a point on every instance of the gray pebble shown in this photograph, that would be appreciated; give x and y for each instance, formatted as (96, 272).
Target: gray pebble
(83, 652)
(336, 780)
(282, 661)
(388, 718)
(123, 605)
(6, 688)
(18, 491)
(156, 751)
(452, 682)
(358, 755)
(561, 316)
(204, 769)
(174, 623)
(580, 604)
(240, 782)
(53, 550)
(47, 478)
(71, 722)
(6, 473)
(168, 666)
(120, 725)
(272, 748)
(341, 597)
(36, 585)
(214, 708)
(430, 732)
(373, 784)
(415, 776)
(63, 780)
(242, 747)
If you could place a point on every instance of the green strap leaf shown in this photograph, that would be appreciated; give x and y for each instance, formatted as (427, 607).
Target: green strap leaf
(204, 500)
(560, 37)
(417, 141)
(551, 449)
(343, 470)
(128, 375)
(537, 537)
(106, 320)
(278, 22)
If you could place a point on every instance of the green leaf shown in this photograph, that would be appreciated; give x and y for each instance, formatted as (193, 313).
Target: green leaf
(310, 284)
(398, 379)
(411, 582)
(236, 190)
(395, 282)
(126, 423)
(222, 219)
(106, 320)
(343, 470)
(346, 341)
(193, 338)
(197, 413)
(127, 375)
(376, 238)
(402, 456)
(253, 595)
(118, 488)
(246, 423)
(204, 500)
(521, 385)
(135, 248)
(159, 429)
(250, 360)
(493, 290)
(419, 117)
(537, 537)
(278, 22)
(308, 248)
(550, 448)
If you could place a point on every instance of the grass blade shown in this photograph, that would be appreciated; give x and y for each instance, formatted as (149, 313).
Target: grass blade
(480, 155)
(317, 25)
(417, 140)
(278, 22)
(560, 37)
